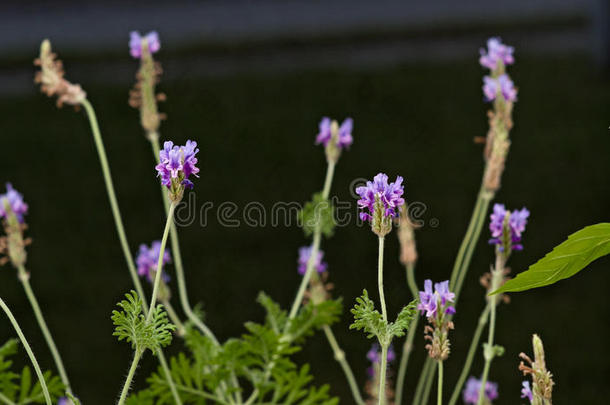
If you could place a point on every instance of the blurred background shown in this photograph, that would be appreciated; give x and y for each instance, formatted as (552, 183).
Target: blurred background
(249, 80)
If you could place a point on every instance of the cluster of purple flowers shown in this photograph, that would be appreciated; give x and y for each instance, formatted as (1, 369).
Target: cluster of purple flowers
(507, 237)
(495, 57)
(526, 391)
(471, 392)
(178, 163)
(15, 202)
(148, 258)
(305, 254)
(344, 137)
(374, 356)
(430, 301)
(135, 43)
(389, 195)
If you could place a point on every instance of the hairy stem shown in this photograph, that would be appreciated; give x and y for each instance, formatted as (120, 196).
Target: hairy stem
(340, 357)
(153, 299)
(408, 346)
(29, 351)
(382, 372)
(24, 277)
(474, 344)
(132, 371)
(384, 312)
(439, 396)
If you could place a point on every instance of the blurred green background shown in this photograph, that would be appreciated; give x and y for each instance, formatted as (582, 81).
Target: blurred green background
(256, 132)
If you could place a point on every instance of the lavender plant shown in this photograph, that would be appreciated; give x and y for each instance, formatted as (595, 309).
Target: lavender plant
(257, 367)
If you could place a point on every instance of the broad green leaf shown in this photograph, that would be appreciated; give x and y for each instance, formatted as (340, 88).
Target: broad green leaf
(565, 260)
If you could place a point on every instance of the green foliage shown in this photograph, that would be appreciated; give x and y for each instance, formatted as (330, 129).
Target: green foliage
(18, 387)
(131, 325)
(367, 318)
(317, 213)
(260, 359)
(567, 259)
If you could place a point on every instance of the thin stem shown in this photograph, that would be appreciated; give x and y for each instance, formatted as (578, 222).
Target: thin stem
(380, 279)
(340, 357)
(382, 372)
(408, 346)
(474, 344)
(173, 316)
(429, 383)
(29, 351)
(168, 377)
(153, 300)
(465, 243)
(439, 397)
(114, 205)
(330, 172)
(130, 374)
(24, 277)
(5, 400)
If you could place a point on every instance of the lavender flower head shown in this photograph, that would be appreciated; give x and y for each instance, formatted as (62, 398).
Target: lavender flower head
(344, 133)
(135, 43)
(502, 85)
(64, 401)
(148, 258)
(496, 52)
(15, 202)
(470, 394)
(507, 228)
(382, 200)
(177, 163)
(526, 391)
(431, 300)
(374, 356)
(304, 255)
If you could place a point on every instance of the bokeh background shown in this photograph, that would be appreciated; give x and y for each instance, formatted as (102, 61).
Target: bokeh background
(249, 81)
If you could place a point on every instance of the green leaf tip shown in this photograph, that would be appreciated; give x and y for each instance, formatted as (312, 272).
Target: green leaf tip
(565, 260)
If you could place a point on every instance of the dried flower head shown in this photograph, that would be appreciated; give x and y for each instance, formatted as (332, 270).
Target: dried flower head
(470, 395)
(406, 237)
(303, 260)
(542, 379)
(176, 165)
(380, 202)
(497, 55)
(51, 78)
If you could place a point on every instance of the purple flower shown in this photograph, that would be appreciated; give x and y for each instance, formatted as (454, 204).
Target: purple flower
(471, 392)
(64, 401)
(389, 195)
(496, 51)
(148, 259)
(526, 391)
(509, 237)
(177, 163)
(135, 43)
(374, 356)
(304, 255)
(430, 300)
(14, 199)
(344, 137)
(503, 83)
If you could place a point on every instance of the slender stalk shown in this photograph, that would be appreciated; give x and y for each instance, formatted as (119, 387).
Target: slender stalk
(132, 371)
(153, 299)
(439, 396)
(5, 400)
(474, 344)
(330, 172)
(168, 377)
(340, 357)
(384, 312)
(118, 221)
(382, 372)
(429, 383)
(408, 346)
(29, 351)
(24, 277)
(173, 316)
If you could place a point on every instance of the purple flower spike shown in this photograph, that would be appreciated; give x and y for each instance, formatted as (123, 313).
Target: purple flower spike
(471, 392)
(431, 300)
(389, 196)
(496, 51)
(148, 258)
(526, 391)
(177, 163)
(344, 137)
(507, 237)
(14, 199)
(135, 43)
(304, 255)
(503, 84)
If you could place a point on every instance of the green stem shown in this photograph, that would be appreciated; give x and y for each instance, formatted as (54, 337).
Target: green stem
(429, 382)
(439, 397)
(173, 316)
(340, 357)
(29, 351)
(5, 400)
(408, 346)
(153, 299)
(24, 277)
(130, 374)
(330, 172)
(118, 221)
(384, 312)
(382, 372)
(474, 344)
(168, 377)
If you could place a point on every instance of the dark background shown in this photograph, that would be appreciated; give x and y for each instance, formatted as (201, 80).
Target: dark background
(253, 102)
